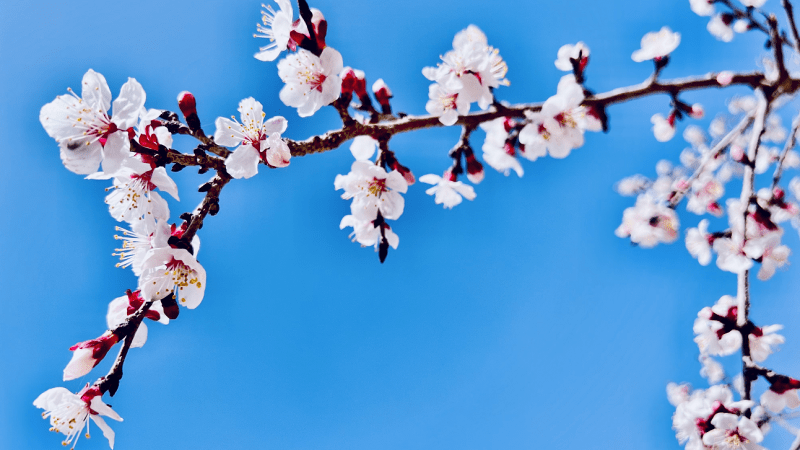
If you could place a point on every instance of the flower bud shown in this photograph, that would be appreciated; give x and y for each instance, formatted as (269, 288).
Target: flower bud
(188, 106)
(86, 355)
(382, 94)
(475, 171)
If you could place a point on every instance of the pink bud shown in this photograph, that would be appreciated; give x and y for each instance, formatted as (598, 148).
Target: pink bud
(697, 111)
(475, 171)
(725, 78)
(737, 153)
(87, 354)
(187, 103)
(405, 172)
(382, 92)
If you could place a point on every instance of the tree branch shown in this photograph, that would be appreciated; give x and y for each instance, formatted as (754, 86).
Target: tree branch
(335, 138)
(678, 194)
(787, 6)
(110, 382)
(790, 143)
(743, 282)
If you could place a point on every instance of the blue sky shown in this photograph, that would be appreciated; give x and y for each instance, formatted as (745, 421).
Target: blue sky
(514, 321)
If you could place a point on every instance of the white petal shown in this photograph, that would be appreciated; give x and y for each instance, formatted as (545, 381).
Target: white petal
(81, 159)
(95, 91)
(164, 182)
(363, 147)
(108, 433)
(228, 134)
(117, 148)
(128, 105)
(243, 162)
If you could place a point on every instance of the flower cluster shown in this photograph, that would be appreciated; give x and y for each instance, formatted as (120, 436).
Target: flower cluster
(131, 147)
(376, 198)
(559, 126)
(312, 74)
(711, 419)
(467, 74)
(256, 140)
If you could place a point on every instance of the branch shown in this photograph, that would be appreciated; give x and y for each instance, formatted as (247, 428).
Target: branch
(743, 282)
(110, 382)
(787, 5)
(790, 143)
(677, 195)
(209, 205)
(335, 138)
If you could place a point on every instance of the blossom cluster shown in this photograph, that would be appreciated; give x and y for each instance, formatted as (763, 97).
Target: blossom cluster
(129, 146)
(467, 74)
(132, 147)
(375, 195)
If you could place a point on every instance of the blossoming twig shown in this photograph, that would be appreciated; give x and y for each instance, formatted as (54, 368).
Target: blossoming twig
(110, 382)
(743, 282)
(333, 139)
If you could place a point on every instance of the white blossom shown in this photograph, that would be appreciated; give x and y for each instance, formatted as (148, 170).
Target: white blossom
(732, 434)
(467, 73)
(447, 193)
(132, 198)
(715, 328)
(558, 127)
(175, 271)
(311, 82)
(656, 45)
(138, 241)
(702, 7)
(256, 140)
(777, 401)
(372, 190)
(446, 104)
(663, 128)
(367, 234)
(648, 223)
(763, 339)
(712, 370)
(69, 413)
(497, 151)
(85, 132)
(578, 52)
(720, 29)
(275, 26)
(698, 242)
(363, 147)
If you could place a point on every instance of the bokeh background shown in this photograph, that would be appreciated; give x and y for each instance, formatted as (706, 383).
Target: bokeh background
(514, 321)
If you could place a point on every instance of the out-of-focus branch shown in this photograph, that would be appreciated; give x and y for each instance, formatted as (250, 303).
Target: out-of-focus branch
(677, 195)
(743, 281)
(790, 143)
(787, 6)
(775, 38)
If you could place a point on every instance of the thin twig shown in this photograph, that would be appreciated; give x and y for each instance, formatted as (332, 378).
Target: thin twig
(790, 143)
(743, 281)
(110, 382)
(787, 6)
(677, 195)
